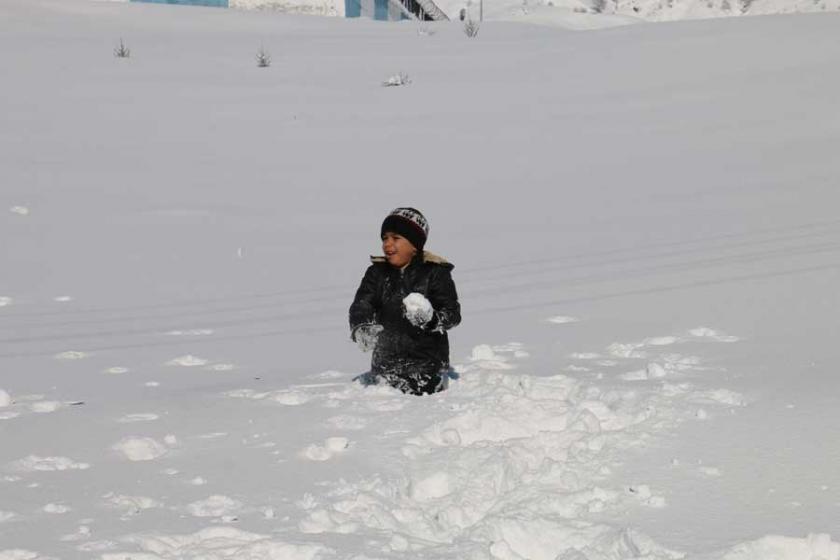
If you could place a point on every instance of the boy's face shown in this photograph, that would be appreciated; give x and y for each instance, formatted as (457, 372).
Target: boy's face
(398, 250)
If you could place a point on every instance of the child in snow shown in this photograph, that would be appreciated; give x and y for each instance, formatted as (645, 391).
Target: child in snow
(404, 306)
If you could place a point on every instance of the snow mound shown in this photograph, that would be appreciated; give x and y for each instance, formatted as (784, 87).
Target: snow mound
(140, 448)
(512, 460)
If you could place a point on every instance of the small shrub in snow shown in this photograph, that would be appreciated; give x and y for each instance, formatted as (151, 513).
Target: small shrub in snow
(263, 58)
(400, 79)
(471, 28)
(121, 51)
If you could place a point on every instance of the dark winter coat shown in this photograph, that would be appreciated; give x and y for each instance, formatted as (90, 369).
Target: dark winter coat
(404, 350)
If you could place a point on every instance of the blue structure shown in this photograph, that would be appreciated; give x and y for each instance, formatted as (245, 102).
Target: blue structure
(381, 10)
(213, 3)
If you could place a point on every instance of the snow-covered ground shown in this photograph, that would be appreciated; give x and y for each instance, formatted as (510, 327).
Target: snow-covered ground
(572, 14)
(643, 222)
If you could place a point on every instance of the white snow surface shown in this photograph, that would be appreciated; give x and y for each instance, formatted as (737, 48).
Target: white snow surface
(643, 225)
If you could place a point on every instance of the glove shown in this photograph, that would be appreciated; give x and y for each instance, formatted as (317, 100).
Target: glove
(366, 336)
(417, 309)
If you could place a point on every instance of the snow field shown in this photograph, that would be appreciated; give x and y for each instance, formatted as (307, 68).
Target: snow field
(504, 465)
(211, 220)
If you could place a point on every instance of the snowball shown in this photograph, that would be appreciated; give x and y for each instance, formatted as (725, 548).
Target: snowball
(418, 310)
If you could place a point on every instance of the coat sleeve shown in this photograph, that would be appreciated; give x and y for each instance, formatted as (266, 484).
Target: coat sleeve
(444, 299)
(366, 303)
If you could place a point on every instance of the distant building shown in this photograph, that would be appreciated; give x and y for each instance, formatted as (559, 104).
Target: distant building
(213, 3)
(383, 10)
(394, 10)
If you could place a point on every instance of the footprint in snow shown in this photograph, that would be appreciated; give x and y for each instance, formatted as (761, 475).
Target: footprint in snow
(82, 533)
(720, 396)
(190, 332)
(45, 407)
(704, 332)
(585, 356)
(71, 355)
(291, 397)
(328, 375)
(651, 371)
(138, 417)
(661, 341)
(35, 463)
(332, 446)
(140, 448)
(130, 505)
(187, 361)
(562, 320)
(216, 505)
(386, 406)
(347, 422)
(56, 509)
(213, 435)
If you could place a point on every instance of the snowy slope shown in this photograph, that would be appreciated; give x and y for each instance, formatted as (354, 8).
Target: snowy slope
(643, 223)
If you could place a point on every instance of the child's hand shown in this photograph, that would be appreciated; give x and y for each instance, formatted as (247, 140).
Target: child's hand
(417, 309)
(366, 336)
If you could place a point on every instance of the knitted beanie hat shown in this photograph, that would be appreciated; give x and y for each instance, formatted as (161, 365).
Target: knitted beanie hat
(409, 223)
